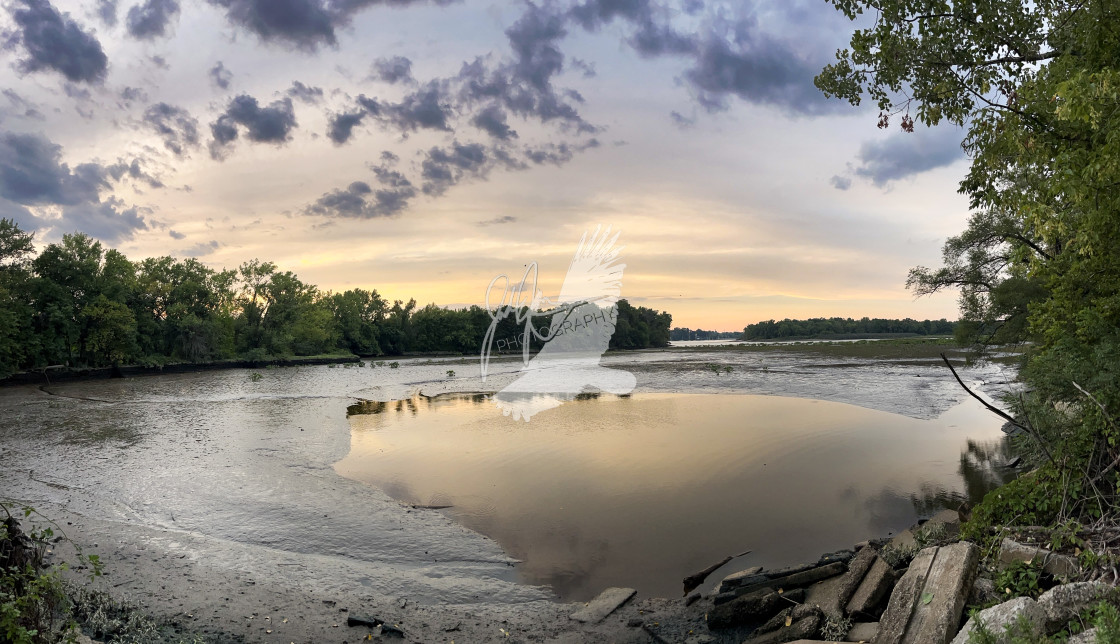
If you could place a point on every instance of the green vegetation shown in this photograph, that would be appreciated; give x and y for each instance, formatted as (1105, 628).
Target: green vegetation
(1037, 87)
(80, 305)
(844, 327)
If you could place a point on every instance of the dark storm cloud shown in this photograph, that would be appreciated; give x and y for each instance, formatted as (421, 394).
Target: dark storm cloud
(360, 201)
(54, 41)
(175, 125)
(220, 76)
(429, 107)
(905, 155)
(33, 174)
(305, 93)
(397, 69)
(272, 124)
(133, 170)
(150, 20)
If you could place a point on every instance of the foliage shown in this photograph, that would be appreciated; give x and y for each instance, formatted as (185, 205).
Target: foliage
(830, 327)
(80, 305)
(1037, 87)
(1020, 579)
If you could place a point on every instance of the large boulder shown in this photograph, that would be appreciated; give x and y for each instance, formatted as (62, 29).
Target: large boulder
(926, 605)
(997, 618)
(1061, 603)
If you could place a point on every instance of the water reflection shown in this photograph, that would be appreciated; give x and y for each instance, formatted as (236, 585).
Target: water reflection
(644, 490)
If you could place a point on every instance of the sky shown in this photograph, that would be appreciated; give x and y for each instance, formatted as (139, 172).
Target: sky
(421, 148)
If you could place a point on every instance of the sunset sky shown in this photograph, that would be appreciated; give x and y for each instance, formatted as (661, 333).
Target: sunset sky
(420, 148)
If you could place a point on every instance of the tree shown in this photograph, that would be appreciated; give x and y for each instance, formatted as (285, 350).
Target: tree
(16, 337)
(1036, 85)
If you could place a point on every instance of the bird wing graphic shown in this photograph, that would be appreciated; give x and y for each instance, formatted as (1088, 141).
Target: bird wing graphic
(594, 274)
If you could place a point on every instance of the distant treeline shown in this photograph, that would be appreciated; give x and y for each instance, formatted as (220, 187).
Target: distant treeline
(78, 304)
(684, 333)
(824, 327)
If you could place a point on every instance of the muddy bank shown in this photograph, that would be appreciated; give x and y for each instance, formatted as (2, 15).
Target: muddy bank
(212, 496)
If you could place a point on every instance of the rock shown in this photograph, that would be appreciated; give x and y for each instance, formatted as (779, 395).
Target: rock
(776, 622)
(857, 568)
(902, 541)
(998, 617)
(737, 579)
(372, 622)
(862, 632)
(926, 604)
(800, 629)
(983, 592)
(797, 594)
(750, 608)
(597, 609)
(874, 587)
(843, 556)
(692, 599)
(1059, 566)
(825, 596)
(1085, 637)
(796, 580)
(1061, 603)
(950, 520)
(634, 622)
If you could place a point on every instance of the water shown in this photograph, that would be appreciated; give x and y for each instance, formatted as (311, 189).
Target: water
(241, 473)
(643, 490)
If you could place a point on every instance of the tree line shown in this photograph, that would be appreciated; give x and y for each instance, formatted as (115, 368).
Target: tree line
(684, 333)
(824, 327)
(77, 303)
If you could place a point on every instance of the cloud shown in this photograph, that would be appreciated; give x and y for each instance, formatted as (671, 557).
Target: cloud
(220, 76)
(175, 125)
(54, 41)
(840, 183)
(176, 234)
(557, 153)
(497, 221)
(272, 124)
(905, 155)
(305, 93)
(397, 69)
(342, 125)
(131, 95)
(109, 220)
(492, 120)
(360, 201)
(150, 20)
(201, 248)
(107, 12)
(32, 174)
(133, 170)
(445, 167)
(307, 24)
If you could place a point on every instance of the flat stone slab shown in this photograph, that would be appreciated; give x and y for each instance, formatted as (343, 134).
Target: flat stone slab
(857, 569)
(875, 585)
(606, 603)
(926, 605)
(1057, 565)
(862, 632)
